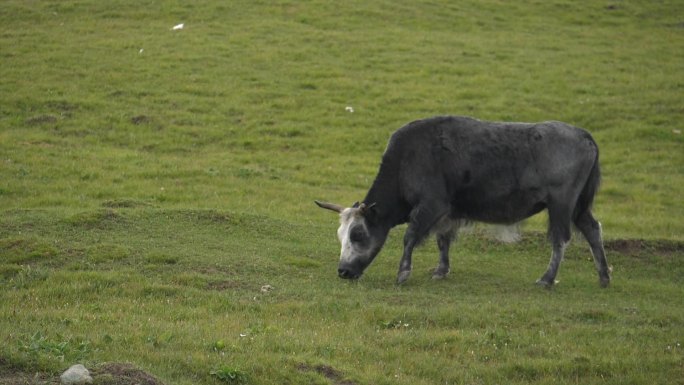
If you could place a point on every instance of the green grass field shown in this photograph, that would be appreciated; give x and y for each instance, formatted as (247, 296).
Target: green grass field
(157, 187)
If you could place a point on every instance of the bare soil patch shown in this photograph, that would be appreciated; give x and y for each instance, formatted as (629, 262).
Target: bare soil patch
(225, 285)
(332, 374)
(41, 119)
(141, 119)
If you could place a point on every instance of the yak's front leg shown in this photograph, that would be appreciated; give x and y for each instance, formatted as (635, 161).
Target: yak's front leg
(410, 241)
(423, 218)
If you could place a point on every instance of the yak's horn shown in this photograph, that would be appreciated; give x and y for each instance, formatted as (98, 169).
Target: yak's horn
(330, 206)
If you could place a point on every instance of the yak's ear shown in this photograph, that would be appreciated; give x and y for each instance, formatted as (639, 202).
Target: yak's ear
(356, 205)
(330, 206)
(365, 208)
(368, 211)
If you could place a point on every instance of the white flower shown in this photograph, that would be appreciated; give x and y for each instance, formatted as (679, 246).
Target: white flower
(178, 26)
(349, 109)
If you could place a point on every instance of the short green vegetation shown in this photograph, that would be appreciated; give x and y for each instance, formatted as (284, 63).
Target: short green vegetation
(157, 184)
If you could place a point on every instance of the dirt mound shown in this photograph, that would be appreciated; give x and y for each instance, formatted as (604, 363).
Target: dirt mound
(635, 247)
(122, 374)
(105, 374)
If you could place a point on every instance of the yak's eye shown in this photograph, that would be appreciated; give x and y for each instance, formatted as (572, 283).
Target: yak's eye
(358, 235)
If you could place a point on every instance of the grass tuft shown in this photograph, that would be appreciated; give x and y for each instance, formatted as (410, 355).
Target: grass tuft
(229, 375)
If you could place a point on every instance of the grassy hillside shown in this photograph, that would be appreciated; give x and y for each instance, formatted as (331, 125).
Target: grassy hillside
(183, 293)
(244, 108)
(153, 180)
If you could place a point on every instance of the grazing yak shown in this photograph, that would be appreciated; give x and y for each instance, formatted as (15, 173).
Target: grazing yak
(440, 172)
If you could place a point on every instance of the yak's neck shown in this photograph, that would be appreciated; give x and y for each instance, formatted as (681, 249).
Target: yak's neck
(391, 208)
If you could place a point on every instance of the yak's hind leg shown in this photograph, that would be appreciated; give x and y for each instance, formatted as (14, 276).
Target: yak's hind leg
(559, 232)
(591, 229)
(445, 232)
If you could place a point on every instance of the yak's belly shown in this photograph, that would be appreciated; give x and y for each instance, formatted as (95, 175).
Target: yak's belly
(504, 209)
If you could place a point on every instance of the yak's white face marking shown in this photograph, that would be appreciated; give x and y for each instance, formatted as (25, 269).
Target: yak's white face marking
(361, 239)
(350, 218)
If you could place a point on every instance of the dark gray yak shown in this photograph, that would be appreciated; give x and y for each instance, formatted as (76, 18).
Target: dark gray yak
(440, 172)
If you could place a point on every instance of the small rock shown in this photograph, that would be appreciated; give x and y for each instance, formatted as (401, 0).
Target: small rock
(76, 375)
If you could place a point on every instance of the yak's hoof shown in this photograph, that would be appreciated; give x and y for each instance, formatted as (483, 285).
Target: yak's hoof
(439, 274)
(403, 276)
(604, 282)
(546, 284)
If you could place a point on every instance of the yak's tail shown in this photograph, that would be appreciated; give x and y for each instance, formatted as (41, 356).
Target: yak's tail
(586, 198)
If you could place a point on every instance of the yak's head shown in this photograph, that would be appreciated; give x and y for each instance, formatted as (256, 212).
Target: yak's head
(361, 237)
